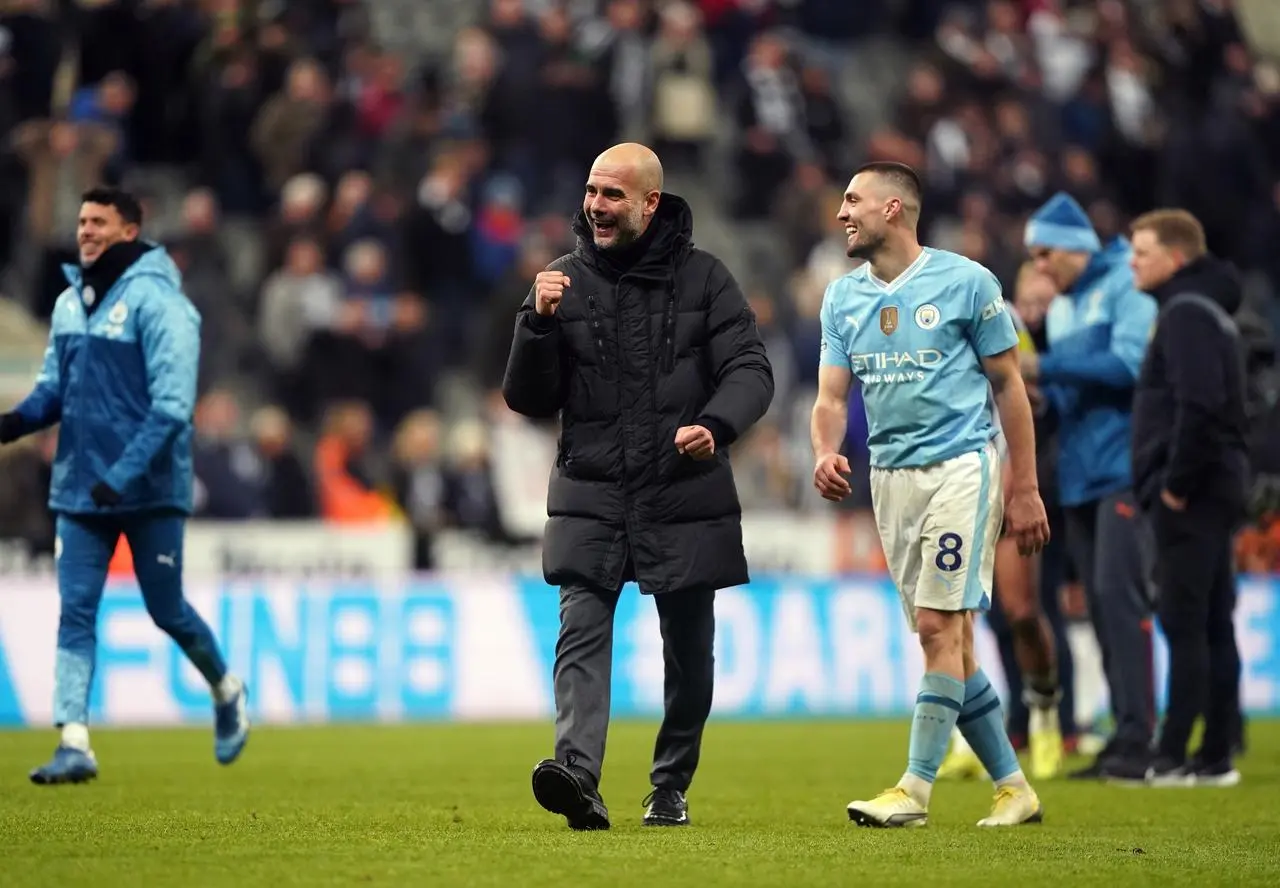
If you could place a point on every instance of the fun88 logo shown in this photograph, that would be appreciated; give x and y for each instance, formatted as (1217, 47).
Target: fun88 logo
(389, 656)
(308, 651)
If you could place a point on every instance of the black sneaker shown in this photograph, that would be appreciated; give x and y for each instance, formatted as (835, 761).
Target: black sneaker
(562, 788)
(666, 807)
(1129, 767)
(1168, 771)
(1219, 773)
(1093, 770)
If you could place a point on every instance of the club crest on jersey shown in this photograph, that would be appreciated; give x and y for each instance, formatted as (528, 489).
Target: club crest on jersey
(888, 319)
(927, 317)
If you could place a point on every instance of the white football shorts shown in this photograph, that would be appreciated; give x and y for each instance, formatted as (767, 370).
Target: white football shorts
(939, 526)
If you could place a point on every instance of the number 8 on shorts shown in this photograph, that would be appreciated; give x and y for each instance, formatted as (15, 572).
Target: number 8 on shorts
(939, 526)
(949, 557)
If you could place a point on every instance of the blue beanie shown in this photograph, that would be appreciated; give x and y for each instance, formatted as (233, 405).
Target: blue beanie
(1062, 224)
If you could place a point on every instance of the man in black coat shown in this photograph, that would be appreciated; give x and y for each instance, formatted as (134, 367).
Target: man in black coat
(647, 349)
(1190, 470)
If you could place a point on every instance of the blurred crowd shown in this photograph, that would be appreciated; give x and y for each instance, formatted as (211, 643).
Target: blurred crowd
(359, 204)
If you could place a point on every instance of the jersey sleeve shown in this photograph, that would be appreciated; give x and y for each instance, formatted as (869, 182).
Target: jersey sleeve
(832, 351)
(991, 327)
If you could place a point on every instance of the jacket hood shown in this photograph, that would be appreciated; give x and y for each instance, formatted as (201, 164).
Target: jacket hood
(669, 236)
(1114, 256)
(1207, 276)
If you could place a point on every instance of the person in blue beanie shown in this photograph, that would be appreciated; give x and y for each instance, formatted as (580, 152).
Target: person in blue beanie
(1098, 329)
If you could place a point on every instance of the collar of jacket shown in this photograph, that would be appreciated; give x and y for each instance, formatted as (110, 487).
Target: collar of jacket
(1113, 255)
(670, 235)
(109, 268)
(1208, 276)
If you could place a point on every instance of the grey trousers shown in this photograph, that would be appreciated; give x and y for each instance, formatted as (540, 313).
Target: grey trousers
(583, 673)
(1110, 544)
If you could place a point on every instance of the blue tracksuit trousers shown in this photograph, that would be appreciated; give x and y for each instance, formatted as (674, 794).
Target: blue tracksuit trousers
(85, 545)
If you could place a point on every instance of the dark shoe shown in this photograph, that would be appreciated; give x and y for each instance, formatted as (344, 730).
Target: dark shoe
(1219, 773)
(567, 790)
(1093, 771)
(666, 807)
(1168, 771)
(1128, 768)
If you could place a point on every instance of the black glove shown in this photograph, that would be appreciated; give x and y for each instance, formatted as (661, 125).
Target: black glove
(11, 427)
(104, 495)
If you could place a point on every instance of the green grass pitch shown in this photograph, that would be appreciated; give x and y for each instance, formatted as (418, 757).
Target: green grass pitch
(451, 806)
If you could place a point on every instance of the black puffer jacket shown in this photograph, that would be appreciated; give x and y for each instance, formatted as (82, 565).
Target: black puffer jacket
(629, 357)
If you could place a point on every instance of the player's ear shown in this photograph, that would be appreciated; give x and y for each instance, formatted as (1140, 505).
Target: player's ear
(892, 209)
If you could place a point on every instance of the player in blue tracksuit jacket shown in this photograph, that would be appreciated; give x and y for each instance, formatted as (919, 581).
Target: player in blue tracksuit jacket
(119, 376)
(1098, 328)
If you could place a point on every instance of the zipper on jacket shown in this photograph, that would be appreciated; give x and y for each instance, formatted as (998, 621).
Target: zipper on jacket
(668, 329)
(626, 493)
(596, 333)
(82, 361)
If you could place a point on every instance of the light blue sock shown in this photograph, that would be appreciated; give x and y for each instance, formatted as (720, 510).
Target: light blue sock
(938, 706)
(982, 724)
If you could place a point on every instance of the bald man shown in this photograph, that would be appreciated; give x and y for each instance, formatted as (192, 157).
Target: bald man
(646, 349)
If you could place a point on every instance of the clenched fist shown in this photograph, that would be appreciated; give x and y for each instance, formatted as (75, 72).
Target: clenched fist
(695, 441)
(548, 290)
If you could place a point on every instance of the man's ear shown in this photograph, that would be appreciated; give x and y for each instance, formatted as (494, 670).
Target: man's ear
(651, 201)
(892, 209)
(131, 231)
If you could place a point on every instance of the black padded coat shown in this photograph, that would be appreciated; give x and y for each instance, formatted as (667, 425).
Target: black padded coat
(629, 357)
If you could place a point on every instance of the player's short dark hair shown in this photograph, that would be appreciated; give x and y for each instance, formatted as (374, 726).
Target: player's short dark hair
(899, 174)
(126, 204)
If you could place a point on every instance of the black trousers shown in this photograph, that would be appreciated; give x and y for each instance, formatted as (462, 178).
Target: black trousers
(1111, 547)
(1195, 572)
(583, 676)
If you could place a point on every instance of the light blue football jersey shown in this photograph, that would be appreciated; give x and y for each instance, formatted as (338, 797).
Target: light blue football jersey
(916, 344)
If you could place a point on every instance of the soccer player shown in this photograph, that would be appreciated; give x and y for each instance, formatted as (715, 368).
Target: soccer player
(928, 334)
(119, 375)
(1018, 599)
